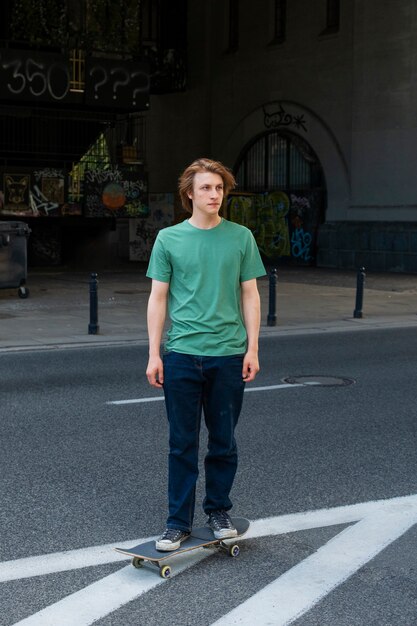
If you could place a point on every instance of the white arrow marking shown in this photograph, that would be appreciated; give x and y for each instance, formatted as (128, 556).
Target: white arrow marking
(268, 388)
(63, 561)
(104, 596)
(303, 586)
(378, 524)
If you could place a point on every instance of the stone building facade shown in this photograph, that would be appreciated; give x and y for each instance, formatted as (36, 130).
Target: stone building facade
(313, 104)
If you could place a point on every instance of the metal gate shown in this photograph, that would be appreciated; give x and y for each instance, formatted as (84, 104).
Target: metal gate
(280, 196)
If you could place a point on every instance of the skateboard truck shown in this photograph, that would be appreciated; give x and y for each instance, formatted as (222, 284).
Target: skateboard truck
(164, 570)
(202, 537)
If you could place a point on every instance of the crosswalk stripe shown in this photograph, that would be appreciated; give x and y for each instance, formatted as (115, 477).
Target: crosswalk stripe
(375, 525)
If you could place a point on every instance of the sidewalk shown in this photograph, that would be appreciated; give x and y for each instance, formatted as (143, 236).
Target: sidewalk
(56, 314)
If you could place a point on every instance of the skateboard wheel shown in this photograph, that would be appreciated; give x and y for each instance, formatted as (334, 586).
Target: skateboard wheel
(136, 562)
(234, 550)
(165, 571)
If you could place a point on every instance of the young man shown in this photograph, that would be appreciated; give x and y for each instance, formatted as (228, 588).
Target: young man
(205, 270)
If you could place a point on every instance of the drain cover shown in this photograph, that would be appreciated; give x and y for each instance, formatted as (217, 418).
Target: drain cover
(323, 381)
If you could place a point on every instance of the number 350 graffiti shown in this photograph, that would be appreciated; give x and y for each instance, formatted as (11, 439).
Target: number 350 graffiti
(42, 76)
(38, 78)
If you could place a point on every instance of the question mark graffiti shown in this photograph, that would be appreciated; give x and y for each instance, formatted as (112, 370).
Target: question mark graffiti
(118, 83)
(98, 68)
(144, 84)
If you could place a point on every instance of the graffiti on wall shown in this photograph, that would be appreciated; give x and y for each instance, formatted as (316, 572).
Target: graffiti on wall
(45, 247)
(266, 216)
(278, 117)
(49, 192)
(115, 193)
(284, 225)
(143, 232)
(301, 240)
(37, 193)
(301, 244)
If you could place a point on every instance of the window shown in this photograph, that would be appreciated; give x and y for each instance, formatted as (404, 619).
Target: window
(332, 16)
(4, 22)
(149, 21)
(280, 21)
(278, 161)
(233, 34)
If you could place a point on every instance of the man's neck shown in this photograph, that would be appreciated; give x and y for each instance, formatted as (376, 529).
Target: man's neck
(204, 222)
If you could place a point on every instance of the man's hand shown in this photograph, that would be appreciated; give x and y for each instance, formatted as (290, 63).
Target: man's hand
(155, 372)
(250, 366)
(157, 306)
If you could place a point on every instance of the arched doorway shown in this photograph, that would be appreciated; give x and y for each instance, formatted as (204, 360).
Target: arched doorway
(280, 196)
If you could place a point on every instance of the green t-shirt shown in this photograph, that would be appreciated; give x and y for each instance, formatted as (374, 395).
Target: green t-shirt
(204, 269)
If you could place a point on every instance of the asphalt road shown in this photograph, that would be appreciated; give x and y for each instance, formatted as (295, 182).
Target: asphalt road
(80, 475)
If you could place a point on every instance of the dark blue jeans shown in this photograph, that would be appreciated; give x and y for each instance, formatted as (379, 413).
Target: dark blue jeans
(194, 385)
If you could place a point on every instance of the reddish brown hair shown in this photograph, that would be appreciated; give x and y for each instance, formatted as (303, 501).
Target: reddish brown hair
(186, 180)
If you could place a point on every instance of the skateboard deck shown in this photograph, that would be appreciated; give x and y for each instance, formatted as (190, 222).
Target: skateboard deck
(200, 538)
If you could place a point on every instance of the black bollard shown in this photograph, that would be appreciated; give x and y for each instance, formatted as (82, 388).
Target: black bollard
(93, 326)
(272, 316)
(360, 281)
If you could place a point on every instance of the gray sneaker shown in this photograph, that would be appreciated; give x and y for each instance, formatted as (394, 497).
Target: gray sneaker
(221, 525)
(171, 539)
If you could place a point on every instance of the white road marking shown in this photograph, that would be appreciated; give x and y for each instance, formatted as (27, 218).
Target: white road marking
(376, 525)
(137, 400)
(63, 561)
(104, 596)
(268, 388)
(41, 565)
(300, 588)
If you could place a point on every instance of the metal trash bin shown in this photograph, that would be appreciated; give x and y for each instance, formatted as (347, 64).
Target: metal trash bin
(13, 256)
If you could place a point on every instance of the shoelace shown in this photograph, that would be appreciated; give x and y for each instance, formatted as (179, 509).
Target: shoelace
(171, 534)
(221, 519)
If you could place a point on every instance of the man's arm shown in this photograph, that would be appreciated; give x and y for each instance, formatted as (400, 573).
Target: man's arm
(251, 307)
(157, 307)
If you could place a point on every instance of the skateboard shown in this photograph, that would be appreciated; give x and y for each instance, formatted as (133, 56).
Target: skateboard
(201, 537)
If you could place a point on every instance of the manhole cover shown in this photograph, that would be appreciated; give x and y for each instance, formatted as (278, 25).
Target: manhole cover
(323, 381)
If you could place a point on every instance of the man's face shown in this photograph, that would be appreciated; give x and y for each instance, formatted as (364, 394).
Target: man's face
(207, 193)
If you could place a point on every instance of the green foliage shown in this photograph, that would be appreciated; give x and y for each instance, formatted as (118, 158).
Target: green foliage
(96, 157)
(102, 25)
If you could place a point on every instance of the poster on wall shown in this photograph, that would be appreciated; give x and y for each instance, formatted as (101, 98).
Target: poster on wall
(15, 194)
(143, 232)
(115, 193)
(48, 192)
(36, 193)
